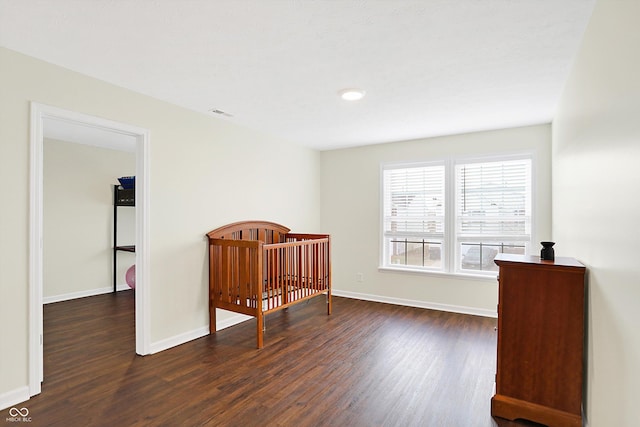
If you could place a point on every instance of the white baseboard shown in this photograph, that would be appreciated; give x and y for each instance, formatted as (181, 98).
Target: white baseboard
(82, 294)
(176, 340)
(419, 304)
(13, 397)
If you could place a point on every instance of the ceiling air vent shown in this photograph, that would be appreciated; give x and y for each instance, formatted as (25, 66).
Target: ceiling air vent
(220, 112)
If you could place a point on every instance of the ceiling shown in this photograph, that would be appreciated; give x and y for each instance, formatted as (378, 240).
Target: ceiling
(429, 67)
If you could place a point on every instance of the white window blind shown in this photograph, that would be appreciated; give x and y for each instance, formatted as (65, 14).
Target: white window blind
(493, 211)
(413, 211)
(414, 200)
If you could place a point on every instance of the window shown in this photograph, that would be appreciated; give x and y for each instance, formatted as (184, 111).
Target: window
(414, 206)
(493, 212)
(455, 216)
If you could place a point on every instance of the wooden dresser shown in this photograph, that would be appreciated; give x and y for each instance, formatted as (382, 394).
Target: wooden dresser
(540, 340)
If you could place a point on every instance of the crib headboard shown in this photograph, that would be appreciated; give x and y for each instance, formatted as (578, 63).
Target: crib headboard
(264, 231)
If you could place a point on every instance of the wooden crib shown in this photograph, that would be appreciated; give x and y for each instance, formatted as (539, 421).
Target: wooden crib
(258, 267)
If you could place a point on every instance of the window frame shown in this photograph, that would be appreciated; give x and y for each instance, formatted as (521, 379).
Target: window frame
(450, 254)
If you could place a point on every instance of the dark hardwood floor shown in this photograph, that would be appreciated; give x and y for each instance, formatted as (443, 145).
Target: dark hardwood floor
(368, 364)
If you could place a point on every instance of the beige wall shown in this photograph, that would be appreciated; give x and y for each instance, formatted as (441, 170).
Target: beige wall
(351, 213)
(596, 210)
(78, 219)
(204, 172)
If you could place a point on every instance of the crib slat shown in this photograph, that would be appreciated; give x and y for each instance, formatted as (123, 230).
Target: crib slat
(269, 280)
(258, 289)
(243, 267)
(225, 272)
(253, 278)
(275, 288)
(284, 275)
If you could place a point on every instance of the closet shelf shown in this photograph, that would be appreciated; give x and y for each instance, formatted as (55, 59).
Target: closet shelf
(125, 197)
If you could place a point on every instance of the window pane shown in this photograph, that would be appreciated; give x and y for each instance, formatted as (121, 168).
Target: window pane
(479, 256)
(415, 252)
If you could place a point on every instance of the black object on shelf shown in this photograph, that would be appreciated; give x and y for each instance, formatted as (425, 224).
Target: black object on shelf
(125, 197)
(127, 182)
(547, 253)
(121, 197)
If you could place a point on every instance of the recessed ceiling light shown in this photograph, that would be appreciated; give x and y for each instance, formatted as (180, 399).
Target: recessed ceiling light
(351, 94)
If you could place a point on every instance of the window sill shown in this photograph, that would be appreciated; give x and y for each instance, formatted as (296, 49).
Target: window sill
(476, 277)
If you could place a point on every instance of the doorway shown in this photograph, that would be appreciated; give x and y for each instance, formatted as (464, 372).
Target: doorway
(45, 117)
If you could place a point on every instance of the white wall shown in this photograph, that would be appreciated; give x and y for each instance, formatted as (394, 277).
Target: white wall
(78, 219)
(596, 208)
(204, 172)
(351, 213)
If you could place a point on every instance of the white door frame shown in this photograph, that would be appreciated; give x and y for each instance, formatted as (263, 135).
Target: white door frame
(39, 112)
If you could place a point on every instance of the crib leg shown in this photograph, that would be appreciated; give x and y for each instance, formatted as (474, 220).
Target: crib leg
(212, 319)
(260, 330)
